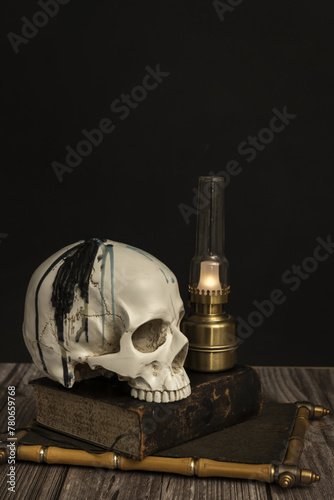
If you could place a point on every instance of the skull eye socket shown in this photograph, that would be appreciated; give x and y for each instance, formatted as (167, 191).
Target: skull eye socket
(149, 336)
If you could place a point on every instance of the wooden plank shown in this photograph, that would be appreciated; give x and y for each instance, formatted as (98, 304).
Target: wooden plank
(124, 485)
(31, 479)
(285, 384)
(37, 481)
(18, 376)
(315, 385)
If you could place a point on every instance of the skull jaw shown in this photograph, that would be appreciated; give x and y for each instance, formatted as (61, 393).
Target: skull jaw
(166, 387)
(174, 388)
(161, 396)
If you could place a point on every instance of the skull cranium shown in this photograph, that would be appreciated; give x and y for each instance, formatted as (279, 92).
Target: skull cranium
(101, 307)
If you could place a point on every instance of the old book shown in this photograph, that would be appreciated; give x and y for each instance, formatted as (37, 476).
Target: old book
(101, 411)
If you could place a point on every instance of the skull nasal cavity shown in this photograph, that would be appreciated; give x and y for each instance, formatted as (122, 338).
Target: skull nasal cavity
(149, 336)
(177, 365)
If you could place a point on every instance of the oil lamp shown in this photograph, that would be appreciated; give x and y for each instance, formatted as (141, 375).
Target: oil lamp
(210, 330)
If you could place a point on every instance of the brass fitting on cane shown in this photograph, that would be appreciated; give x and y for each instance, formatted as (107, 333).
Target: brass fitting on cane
(315, 411)
(4, 455)
(289, 475)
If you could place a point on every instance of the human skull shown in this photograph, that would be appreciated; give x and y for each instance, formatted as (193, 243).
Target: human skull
(98, 307)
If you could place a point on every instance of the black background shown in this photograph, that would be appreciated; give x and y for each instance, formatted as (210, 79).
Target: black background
(225, 77)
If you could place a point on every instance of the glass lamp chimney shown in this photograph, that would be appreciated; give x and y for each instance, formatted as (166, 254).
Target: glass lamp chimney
(209, 266)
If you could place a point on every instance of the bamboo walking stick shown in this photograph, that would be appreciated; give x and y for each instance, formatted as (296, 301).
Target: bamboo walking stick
(286, 474)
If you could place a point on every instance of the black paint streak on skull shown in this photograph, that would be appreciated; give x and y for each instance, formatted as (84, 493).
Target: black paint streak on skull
(40, 283)
(75, 270)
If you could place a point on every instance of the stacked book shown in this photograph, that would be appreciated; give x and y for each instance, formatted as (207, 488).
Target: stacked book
(102, 412)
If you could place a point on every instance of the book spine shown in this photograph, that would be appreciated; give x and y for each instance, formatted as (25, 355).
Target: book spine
(107, 425)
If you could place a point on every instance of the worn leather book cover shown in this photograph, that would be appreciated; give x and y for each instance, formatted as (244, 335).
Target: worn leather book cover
(101, 411)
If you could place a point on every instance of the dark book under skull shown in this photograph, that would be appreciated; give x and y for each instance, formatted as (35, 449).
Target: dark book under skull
(102, 411)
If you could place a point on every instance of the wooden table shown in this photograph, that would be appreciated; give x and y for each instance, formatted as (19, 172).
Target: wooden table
(284, 384)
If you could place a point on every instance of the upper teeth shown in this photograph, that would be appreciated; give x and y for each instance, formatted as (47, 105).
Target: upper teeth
(161, 397)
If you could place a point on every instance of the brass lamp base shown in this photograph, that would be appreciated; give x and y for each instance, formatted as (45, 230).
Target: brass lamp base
(211, 333)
